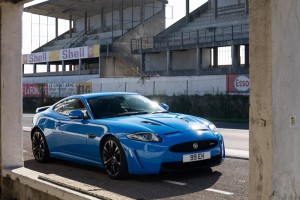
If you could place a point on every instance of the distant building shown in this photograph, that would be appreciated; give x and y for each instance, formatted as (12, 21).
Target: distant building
(127, 38)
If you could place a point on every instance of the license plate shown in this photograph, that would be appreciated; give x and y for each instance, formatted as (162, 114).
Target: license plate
(196, 156)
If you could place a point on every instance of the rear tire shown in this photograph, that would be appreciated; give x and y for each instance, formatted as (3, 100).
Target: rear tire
(114, 159)
(39, 147)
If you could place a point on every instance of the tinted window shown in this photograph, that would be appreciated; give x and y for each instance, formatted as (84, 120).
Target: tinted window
(67, 106)
(122, 105)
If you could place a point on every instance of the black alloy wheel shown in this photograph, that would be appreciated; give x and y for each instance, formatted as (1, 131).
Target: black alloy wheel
(39, 147)
(114, 160)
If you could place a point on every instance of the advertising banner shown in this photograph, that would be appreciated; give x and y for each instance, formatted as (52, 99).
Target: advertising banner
(238, 83)
(63, 54)
(83, 87)
(56, 89)
(41, 57)
(35, 90)
(60, 89)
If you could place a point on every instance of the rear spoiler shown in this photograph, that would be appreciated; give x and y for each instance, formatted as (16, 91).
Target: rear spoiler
(40, 109)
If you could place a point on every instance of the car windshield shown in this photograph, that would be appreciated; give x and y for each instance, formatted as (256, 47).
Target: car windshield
(122, 105)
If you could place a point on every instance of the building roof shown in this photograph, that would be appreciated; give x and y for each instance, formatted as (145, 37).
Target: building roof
(64, 8)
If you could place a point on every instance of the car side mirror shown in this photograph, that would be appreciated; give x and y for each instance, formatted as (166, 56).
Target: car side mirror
(76, 114)
(164, 106)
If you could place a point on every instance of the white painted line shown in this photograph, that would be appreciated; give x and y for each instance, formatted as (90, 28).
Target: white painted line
(219, 191)
(26, 129)
(174, 182)
(28, 115)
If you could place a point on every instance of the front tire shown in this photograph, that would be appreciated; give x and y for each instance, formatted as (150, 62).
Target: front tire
(114, 159)
(39, 147)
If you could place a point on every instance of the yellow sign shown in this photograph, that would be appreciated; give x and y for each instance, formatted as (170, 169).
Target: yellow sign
(83, 87)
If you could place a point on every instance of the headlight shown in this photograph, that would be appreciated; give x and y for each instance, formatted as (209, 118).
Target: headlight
(144, 136)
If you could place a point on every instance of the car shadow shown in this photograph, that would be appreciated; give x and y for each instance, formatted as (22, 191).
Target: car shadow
(165, 185)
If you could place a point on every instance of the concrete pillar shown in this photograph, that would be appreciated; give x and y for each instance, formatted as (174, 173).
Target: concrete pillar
(102, 21)
(11, 136)
(34, 69)
(199, 59)
(63, 67)
(48, 67)
(100, 63)
(275, 108)
(215, 7)
(85, 22)
(215, 56)
(142, 10)
(235, 55)
(206, 58)
(247, 55)
(169, 62)
(121, 13)
(143, 66)
(57, 68)
(56, 27)
(70, 25)
(187, 11)
(80, 66)
(246, 6)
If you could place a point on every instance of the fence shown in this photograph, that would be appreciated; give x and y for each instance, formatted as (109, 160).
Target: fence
(205, 96)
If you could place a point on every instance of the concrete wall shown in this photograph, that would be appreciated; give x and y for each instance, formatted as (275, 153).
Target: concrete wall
(156, 62)
(59, 79)
(169, 86)
(222, 3)
(274, 126)
(206, 58)
(182, 60)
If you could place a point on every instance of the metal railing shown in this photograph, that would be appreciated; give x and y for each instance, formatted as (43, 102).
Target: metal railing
(197, 37)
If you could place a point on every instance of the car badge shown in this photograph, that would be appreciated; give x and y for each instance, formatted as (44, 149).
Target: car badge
(195, 145)
(212, 143)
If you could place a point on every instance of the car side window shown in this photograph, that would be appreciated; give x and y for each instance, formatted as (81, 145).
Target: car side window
(69, 105)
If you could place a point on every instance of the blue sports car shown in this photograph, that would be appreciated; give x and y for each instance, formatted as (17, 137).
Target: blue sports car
(124, 133)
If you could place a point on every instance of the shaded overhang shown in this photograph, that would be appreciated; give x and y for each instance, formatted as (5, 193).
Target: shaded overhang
(64, 8)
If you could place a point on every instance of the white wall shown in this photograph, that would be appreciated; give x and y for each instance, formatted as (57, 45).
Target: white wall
(58, 79)
(169, 86)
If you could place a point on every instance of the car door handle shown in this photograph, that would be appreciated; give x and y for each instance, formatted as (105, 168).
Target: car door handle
(58, 123)
(91, 135)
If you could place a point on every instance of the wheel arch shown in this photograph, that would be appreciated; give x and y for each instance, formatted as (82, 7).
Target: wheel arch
(34, 129)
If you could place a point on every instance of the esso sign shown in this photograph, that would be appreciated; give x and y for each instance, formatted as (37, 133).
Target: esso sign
(242, 83)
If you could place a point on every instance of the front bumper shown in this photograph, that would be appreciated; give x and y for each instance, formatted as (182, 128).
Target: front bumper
(153, 158)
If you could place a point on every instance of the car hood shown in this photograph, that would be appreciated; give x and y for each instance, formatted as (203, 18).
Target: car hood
(161, 124)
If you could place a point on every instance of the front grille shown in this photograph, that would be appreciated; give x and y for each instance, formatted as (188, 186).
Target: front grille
(193, 146)
(178, 166)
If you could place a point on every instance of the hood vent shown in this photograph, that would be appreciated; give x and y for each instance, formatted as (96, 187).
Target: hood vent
(151, 123)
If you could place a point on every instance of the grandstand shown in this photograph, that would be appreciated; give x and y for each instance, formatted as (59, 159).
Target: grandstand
(122, 38)
(123, 45)
(98, 42)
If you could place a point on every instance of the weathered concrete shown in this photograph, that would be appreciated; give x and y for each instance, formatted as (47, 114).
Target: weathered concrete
(274, 135)
(261, 110)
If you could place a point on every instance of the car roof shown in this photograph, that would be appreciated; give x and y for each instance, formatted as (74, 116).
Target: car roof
(91, 95)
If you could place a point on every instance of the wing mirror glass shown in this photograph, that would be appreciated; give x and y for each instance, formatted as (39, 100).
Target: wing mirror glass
(76, 114)
(164, 106)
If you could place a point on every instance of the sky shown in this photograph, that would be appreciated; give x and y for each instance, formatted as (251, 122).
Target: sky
(175, 9)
